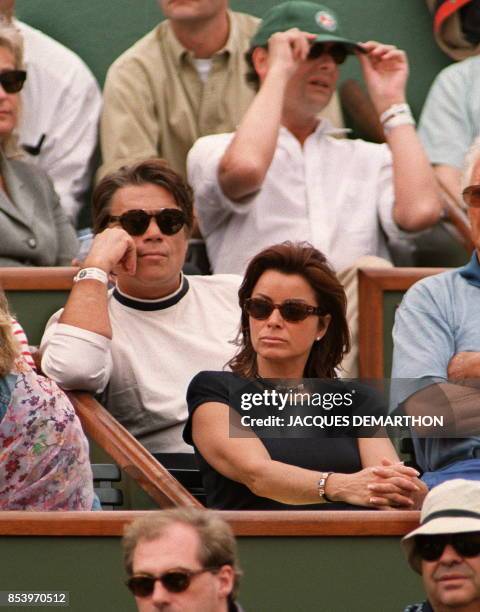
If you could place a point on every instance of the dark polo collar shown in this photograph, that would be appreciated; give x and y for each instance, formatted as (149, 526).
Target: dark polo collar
(149, 305)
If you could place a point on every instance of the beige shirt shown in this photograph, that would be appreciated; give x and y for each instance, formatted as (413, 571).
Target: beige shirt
(156, 104)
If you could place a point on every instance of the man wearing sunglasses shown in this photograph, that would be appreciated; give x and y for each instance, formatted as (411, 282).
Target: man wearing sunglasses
(184, 559)
(183, 80)
(282, 176)
(142, 342)
(445, 549)
(436, 355)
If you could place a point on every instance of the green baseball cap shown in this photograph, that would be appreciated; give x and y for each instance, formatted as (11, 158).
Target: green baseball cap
(307, 17)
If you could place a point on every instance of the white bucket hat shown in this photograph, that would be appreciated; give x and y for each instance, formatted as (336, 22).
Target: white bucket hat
(452, 507)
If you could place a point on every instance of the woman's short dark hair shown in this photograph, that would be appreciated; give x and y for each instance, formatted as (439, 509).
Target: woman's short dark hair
(153, 171)
(306, 261)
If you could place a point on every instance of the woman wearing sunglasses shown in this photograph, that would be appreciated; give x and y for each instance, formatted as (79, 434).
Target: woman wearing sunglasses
(293, 327)
(34, 231)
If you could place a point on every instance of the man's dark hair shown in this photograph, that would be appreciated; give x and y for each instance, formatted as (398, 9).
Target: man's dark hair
(251, 76)
(153, 171)
(306, 261)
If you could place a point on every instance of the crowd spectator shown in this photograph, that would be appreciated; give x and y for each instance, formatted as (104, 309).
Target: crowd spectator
(182, 559)
(181, 81)
(144, 341)
(436, 345)
(61, 103)
(293, 327)
(34, 230)
(277, 176)
(44, 459)
(445, 549)
(450, 122)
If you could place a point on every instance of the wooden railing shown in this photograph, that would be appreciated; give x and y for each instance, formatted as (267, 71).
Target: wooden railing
(37, 279)
(129, 454)
(372, 284)
(244, 523)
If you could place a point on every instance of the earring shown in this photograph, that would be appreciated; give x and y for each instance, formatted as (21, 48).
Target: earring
(318, 339)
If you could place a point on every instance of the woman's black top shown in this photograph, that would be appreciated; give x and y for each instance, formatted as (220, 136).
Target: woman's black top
(320, 453)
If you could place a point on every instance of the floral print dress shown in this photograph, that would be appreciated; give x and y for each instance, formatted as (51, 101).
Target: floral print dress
(44, 458)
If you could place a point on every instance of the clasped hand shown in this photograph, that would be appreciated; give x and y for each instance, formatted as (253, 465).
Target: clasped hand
(389, 486)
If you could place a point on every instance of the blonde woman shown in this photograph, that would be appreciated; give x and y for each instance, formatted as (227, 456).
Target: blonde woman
(34, 230)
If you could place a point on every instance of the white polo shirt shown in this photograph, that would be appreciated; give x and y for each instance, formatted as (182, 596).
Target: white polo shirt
(334, 193)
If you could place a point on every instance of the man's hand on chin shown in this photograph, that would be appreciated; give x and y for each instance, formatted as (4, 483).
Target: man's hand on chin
(112, 250)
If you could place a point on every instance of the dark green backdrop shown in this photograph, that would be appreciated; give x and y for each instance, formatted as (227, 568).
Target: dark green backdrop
(99, 30)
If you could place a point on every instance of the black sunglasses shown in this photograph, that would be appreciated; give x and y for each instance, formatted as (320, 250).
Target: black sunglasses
(136, 222)
(12, 80)
(337, 51)
(471, 196)
(431, 547)
(291, 310)
(174, 581)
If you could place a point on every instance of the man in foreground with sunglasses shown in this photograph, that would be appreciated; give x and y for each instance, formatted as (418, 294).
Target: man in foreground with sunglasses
(281, 176)
(142, 342)
(184, 559)
(445, 549)
(436, 354)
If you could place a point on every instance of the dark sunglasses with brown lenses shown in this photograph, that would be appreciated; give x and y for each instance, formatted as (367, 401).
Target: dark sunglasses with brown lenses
(135, 222)
(431, 547)
(12, 80)
(471, 196)
(174, 581)
(292, 311)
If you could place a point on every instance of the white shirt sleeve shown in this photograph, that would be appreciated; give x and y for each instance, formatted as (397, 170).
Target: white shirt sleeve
(61, 101)
(212, 206)
(76, 358)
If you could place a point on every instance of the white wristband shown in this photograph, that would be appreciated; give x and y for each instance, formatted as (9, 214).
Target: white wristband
(92, 274)
(396, 120)
(395, 109)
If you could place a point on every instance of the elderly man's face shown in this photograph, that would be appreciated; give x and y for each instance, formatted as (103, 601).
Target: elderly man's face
(192, 10)
(452, 582)
(178, 549)
(473, 212)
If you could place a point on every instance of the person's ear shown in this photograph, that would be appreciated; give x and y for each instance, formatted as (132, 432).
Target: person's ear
(226, 579)
(323, 323)
(260, 62)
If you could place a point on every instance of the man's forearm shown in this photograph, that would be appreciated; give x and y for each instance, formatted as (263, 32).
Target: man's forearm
(245, 163)
(87, 308)
(456, 404)
(450, 179)
(417, 197)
